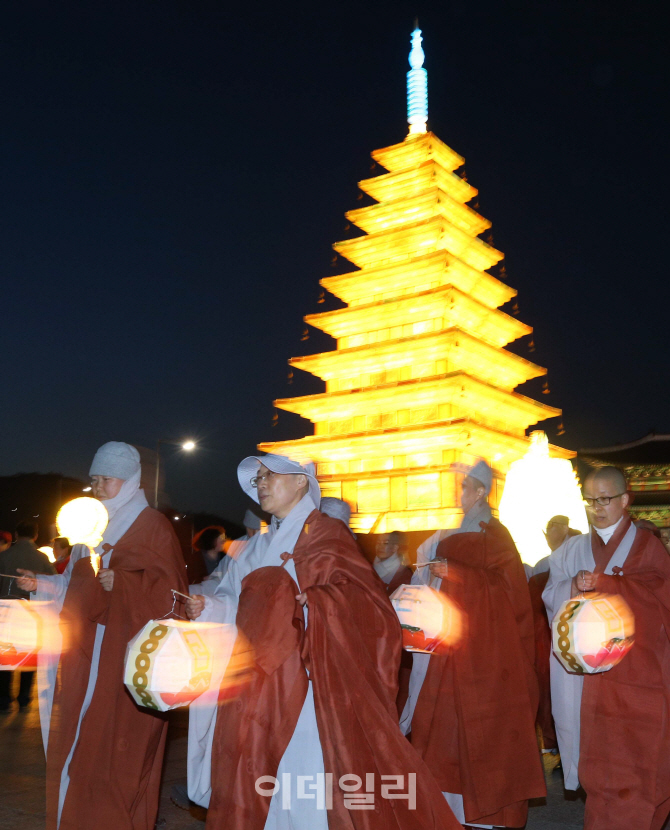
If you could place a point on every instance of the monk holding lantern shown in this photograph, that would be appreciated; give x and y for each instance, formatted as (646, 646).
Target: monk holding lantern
(104, 753)
(612, 727)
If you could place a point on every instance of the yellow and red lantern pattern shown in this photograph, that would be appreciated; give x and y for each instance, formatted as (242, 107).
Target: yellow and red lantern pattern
(429, 620)
(20, 635)
(592, 633)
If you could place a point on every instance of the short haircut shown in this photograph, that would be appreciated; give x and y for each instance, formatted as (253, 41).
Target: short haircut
(27, 529)
(61, 542)
(397, 537)
(206, 539)
(611, 475)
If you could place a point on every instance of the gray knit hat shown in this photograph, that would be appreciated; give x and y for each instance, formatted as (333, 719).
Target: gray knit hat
(117, 460)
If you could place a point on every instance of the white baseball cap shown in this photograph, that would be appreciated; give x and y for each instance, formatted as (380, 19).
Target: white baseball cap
(280, 464)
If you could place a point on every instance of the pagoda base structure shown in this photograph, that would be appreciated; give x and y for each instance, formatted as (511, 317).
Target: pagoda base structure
(420, 386)
(407, 479)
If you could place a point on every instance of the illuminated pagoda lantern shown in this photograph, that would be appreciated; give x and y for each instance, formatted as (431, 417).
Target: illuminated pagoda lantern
(420, 379)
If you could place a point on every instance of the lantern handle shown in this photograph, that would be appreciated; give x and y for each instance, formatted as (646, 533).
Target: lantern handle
(172, 611)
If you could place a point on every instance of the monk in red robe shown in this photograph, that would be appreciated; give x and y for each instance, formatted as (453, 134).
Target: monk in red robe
(622, 753)
(474, 718)
(105, 753)
(320, 707)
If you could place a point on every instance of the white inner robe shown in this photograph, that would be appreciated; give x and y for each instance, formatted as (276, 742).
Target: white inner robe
(574, 555)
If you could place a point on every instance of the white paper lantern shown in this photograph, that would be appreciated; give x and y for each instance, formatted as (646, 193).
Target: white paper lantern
(429, 620)
(591, 633)
(20, 635)
(169, 663)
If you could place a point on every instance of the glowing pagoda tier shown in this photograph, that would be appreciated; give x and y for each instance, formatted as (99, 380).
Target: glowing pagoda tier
(420, 380)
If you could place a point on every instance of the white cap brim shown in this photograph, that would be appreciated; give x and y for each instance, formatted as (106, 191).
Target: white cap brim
(280, 464)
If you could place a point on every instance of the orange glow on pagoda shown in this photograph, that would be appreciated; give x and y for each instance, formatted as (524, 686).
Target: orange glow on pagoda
(420, 379)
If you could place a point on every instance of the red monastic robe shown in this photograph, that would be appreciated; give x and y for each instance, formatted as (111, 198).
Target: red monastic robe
(116, 767)
(351, 649)
(624, 763)
(474, 722)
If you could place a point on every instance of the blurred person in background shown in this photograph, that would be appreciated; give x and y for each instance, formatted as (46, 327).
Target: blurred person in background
(62, 549)
(472, 712)
(650, 526)
(252, 526)
(209, 543)
(105, 753)
(390, 562)
(23, 554)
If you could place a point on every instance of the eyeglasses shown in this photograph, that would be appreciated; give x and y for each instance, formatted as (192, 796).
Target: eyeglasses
(266, 477)
(603, 501)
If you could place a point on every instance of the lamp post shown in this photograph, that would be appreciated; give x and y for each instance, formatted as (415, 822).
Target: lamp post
(185, 445)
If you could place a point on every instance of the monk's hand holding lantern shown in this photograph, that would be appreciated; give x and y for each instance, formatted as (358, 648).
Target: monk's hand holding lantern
(583, 582)
(194, 606)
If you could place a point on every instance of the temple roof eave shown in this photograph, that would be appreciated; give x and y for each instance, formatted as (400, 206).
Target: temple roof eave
(415, 150)
(354, 286)
(408, 350)
(436, 233)
(456, 388)
(414, 438)
(492, 325)
(419, 207)
(415, 180)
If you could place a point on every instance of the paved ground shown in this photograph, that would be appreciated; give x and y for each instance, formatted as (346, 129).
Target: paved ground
(22, 781)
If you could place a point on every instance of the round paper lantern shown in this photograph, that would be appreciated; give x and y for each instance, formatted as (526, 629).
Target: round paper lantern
(429, 620)
(591, 633)
(83, 521)
(20, 635)
(170, 662)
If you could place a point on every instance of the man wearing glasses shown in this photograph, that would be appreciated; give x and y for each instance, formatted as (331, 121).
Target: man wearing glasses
(622, 756)
(320, 706)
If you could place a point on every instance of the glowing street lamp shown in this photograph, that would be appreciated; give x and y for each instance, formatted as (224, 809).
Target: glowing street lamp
(187, 446)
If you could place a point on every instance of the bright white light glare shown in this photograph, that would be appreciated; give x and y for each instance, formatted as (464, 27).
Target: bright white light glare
(417, 87)
(86, 489)
(188, 445)
(83, 521)
(49, 551)
(538, 487)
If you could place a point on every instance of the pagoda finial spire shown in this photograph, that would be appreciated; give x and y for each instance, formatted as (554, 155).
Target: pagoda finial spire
(417, 86)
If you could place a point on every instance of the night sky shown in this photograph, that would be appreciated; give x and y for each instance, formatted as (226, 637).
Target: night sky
(173, 175)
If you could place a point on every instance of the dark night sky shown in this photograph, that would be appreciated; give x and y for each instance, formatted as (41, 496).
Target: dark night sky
(172, 176)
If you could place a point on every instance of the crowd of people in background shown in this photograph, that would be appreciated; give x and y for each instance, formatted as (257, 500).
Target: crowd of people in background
(466, 733)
